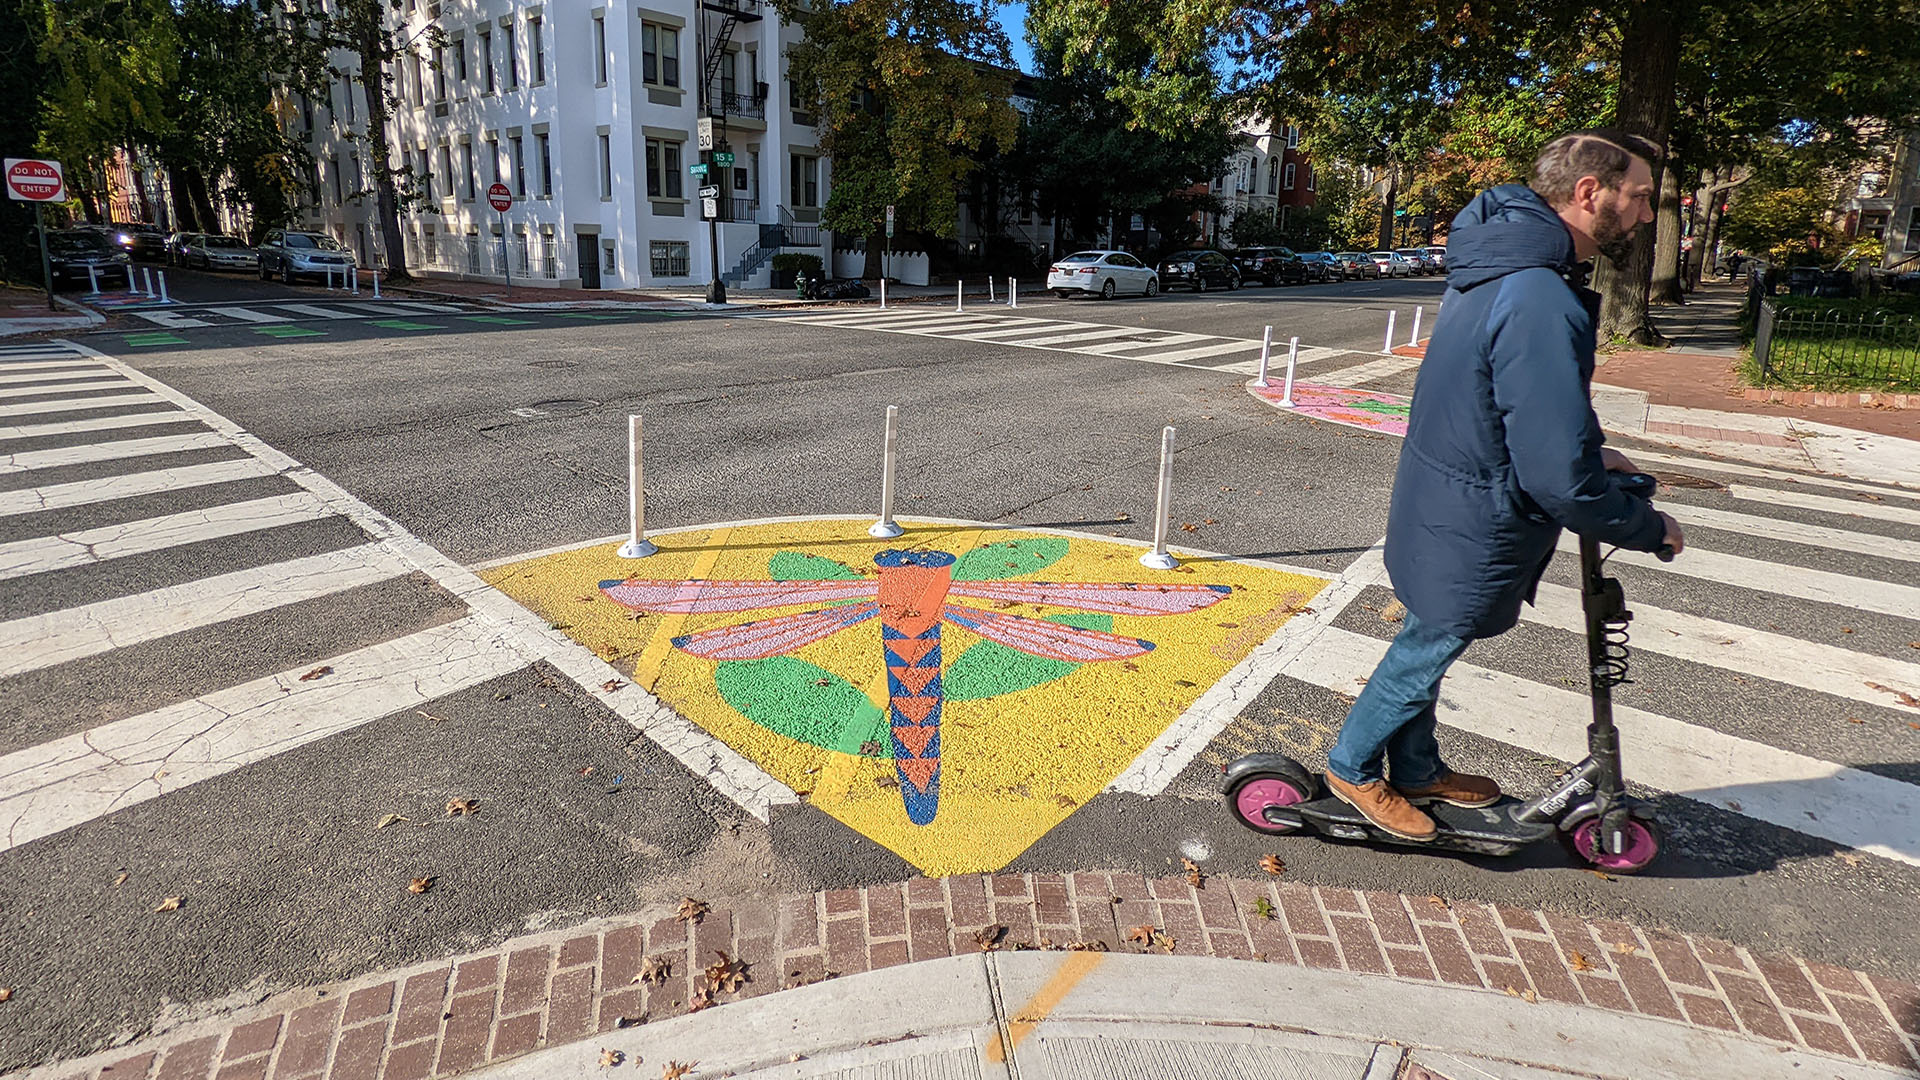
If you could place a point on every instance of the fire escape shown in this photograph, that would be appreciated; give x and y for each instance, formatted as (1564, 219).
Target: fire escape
(718, 98)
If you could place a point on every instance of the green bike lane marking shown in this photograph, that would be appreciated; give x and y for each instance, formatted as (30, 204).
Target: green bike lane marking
(154, 338)
(403, 324)
(287, 331)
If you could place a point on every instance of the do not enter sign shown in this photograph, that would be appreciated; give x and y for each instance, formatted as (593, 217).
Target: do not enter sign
(34, 180)
(500, 198)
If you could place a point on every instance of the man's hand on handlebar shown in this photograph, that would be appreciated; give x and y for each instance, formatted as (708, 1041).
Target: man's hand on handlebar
(1615, 461)
(1674, 539)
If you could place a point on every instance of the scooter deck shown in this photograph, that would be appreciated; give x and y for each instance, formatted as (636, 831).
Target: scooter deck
(1488, 830)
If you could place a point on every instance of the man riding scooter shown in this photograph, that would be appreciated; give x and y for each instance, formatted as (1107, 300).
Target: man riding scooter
(1503, 450)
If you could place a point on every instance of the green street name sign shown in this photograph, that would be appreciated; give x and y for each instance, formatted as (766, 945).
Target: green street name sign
(723, 158)
(698, 168)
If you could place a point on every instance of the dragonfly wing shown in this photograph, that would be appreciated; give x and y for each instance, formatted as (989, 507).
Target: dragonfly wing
(692, 597)
(1118, 599)
(762, 638)
(1037, 637)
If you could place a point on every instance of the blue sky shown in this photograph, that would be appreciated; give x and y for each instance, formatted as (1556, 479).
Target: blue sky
(1014, 18)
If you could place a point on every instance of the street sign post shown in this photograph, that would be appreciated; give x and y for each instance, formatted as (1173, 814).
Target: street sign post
(500, 197)
(37, 181)
(886, 267)
(710, 208)
(703, 132)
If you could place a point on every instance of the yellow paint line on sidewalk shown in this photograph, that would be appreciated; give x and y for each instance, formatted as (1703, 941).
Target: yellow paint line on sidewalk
(1076, 967)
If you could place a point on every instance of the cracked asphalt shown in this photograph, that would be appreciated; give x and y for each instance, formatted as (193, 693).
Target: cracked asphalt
(493, 442)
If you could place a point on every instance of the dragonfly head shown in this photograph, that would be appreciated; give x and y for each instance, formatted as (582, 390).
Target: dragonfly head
(895, 557)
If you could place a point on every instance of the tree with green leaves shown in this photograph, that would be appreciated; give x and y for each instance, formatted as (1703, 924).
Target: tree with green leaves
(907, 93)
(22, 83)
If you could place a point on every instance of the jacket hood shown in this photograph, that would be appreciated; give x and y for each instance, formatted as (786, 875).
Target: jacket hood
(1504, 230)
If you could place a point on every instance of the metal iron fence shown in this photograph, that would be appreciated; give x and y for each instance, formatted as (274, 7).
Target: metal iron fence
(481, 256)
(1806, 343)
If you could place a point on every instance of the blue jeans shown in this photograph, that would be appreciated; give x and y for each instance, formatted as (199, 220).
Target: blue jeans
(1392, 721)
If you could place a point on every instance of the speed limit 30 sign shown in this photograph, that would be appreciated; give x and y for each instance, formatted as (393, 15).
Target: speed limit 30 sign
(35, 180)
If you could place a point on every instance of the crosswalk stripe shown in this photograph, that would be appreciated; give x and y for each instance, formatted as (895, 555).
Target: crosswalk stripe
(1383, 368)
(248, 315)
(426, 306)
(1810, 665)
(383, 309)
(1640, 457)
(32, 357)
(56, 637)
(98, 423)
(945, 327)
(60, 373)
(1117, 348)
(30, 408)
(87, 546)
(99, 391)
(319, 312)
(170, 320)
(1781, 579)
(82, 492)
(1007, 328)
(109, 451)
(1201, 352)
(921, 318)
(1890, 547)
(72, 780)
(1826, 503)
(1862, 810)
(1082, 335)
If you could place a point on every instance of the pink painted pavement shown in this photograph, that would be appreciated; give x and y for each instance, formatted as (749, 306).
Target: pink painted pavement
(1367, 409)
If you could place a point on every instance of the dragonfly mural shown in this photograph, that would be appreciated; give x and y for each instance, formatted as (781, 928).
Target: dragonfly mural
(912, 595)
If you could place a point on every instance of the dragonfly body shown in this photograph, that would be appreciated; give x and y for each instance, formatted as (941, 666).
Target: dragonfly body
(911, 595)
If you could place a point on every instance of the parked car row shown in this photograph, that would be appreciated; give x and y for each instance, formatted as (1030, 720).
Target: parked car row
(1109, 273)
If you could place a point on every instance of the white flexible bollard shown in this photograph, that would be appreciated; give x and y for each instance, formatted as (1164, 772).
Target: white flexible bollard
(1391, 315)
(1158, 559)
(1293, 355)
(959, 296)
(1417, 313)
(375, 275)
(93, 281)
(146, 281)
(886, 527)
(1266, 349)
(637, 545)
(1013, 292)
(990, 296)
(883, 292)
(356, 281)
(164, 298)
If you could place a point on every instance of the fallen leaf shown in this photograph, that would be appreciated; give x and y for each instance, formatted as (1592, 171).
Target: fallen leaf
(691, 910)
(726, 975)
(655, 969)
(1847, 857)
(1855, 720)
(121, 879)
(587, 771)
(1272, 864)
(1395, 611)
(1733, 804)
(1865, 495)
(171, 903)
(1529, 996)
(316, 673)
(631, 1021)
(702, 998)
(1194, 877)
(1164, 941)
(6, 993)
(1263, 908)
(1066, 802)
(610, 1058)
(390, 819)
(420, 885)
(1900, 696)
(886, 781)
(870, 748)
(1601, 874)
(989, 938)
(1437, 902)
(673, 1070)
(1578, 962)
(611, 685)
(1913, 725)
(1142, 934)
(1846, 629)
(457, 807)
(1626, 948)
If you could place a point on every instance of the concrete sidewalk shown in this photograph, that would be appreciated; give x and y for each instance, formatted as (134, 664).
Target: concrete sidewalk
(1091, 974)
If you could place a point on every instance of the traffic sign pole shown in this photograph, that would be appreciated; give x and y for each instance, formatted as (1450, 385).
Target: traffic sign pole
(500, 198)
(46, 264)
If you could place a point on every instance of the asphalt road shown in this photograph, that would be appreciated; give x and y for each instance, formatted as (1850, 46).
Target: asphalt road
(488, 440)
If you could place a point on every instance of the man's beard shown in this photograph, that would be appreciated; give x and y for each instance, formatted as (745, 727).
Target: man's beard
(1614, 239)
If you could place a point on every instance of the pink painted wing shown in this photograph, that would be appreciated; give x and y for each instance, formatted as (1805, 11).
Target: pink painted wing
(1124, 599)
(1037, 637)
(691, 597)
(762, 638)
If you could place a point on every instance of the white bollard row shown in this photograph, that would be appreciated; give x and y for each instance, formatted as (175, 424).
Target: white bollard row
(1388, 347)
(1158, 559)
(1266, 349)
(637, 545)
(886, 527)
(1293, 356)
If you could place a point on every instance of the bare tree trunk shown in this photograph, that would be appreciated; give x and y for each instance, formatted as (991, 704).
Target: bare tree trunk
(1649, 68)
(1665, 289)
(1386, 207)
(373, 85)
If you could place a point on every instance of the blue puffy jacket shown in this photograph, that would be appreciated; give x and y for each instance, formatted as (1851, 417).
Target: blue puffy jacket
(1503, 447)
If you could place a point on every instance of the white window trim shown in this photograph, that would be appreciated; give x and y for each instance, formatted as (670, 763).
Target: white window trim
(1286, 177)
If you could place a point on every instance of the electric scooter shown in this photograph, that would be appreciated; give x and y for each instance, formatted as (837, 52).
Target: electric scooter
(1587, 805)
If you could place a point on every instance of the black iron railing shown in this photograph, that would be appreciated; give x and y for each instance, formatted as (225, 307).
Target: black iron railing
(1849, 346)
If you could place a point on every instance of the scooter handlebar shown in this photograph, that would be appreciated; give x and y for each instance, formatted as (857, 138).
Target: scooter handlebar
(1642, 485)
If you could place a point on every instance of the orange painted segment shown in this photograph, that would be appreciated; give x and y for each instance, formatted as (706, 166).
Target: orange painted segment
(1076, 966)
(915, 739)
(911, 597)
(915, 678)
(916, 709)
(910, 650)
(919, 771)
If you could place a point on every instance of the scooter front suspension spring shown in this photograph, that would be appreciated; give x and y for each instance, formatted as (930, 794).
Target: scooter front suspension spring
(1614, 652)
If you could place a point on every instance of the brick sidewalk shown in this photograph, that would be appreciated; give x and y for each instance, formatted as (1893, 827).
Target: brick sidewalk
(454, 1015)
(1700, 381)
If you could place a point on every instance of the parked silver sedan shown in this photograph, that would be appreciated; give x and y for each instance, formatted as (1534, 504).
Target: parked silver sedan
(220, 253)
(1392, 264)
(1105, 274)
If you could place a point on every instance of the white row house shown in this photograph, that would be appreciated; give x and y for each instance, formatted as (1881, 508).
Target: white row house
(592, 117)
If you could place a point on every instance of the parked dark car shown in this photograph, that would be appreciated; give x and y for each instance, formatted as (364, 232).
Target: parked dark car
(292, 254)
(1272, 265)
(1357, 264)
(1320, 266)
(177, 247)
(1199, 271)
(142, 241)
(72, 253)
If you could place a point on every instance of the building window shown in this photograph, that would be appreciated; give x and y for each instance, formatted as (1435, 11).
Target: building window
(513, 57)
(1310, 176)
(347, 85)
(517, 150)
(1913, 229)
(727, 74)
(486, 57)
(473, 178)
(541, 148)
(609, 258)
(426, 174)
(416, 80)
(459, 47)
(669, 258)
(659, 54)
(1273, 176)
(1289, 176)
(537, 50)
(446, 168)
(599, 50)
(663, 170)
(606, 166)
(493, 160)
(333, 167)
(804, 181)
(1293, 137)
(440, 74)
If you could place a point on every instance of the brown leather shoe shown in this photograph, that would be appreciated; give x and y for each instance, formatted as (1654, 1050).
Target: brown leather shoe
(1460, 789)
(1384, 807)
